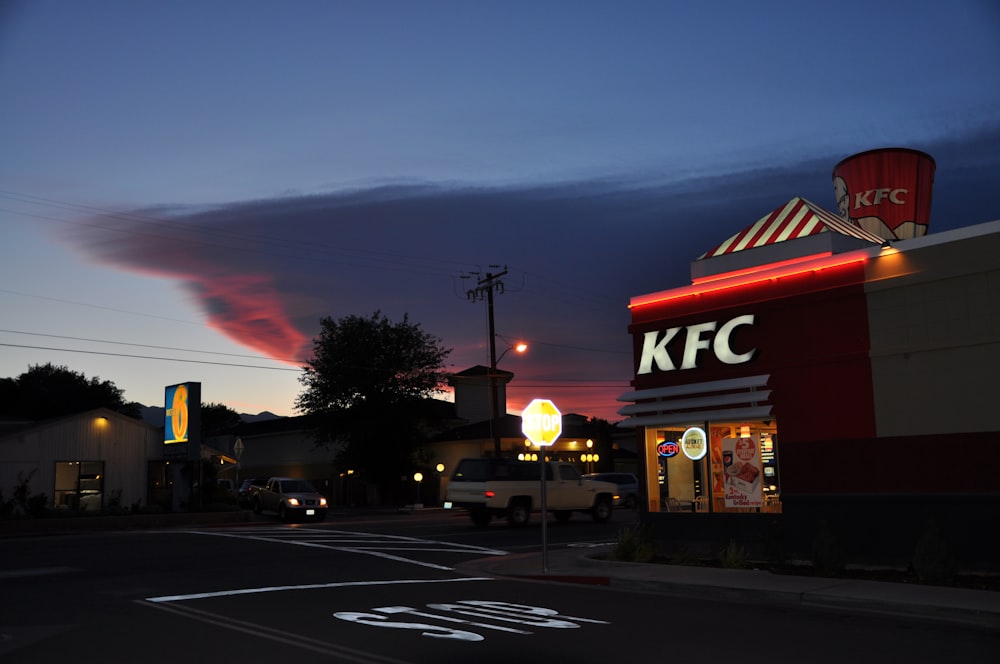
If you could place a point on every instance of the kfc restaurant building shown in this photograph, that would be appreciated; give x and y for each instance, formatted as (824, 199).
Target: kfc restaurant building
(818, 376)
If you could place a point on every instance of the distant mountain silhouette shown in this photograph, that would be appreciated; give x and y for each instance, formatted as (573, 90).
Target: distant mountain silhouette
(153, 415)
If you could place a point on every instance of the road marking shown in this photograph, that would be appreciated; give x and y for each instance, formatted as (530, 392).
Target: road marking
(306, 586)
(521, 614)
(342, 653)
(37, 571)
(372, 544)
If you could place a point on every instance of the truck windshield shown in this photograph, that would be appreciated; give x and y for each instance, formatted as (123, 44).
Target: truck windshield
(485, 470)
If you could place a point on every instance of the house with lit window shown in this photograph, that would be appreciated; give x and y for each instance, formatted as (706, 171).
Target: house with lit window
(82, 462)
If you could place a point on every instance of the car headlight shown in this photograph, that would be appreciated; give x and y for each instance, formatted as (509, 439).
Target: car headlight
(322, 502)
(293, 502)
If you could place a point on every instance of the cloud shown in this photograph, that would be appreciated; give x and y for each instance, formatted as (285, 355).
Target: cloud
(264, 272)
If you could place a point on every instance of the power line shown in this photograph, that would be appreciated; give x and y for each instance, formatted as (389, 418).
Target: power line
(126, 343)
(100, 306)
(149, 357)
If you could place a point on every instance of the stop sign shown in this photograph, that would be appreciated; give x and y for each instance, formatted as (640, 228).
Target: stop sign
(541, 422)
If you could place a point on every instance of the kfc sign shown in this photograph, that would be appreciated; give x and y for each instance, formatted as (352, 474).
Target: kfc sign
(886, 192)
(876, 196)
(696, 338)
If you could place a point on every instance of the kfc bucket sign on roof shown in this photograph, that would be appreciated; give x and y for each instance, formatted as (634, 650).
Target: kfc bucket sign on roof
(886, 192)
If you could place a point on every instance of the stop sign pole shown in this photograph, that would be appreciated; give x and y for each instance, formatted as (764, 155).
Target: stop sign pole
(541, 423)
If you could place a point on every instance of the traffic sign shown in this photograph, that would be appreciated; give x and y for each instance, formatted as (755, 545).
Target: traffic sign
(238, 448)
(541, 422)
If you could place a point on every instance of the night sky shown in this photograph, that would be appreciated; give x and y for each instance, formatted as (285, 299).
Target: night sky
(187, 188)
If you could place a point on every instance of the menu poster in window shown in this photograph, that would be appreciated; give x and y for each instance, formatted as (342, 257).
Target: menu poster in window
(741, 466)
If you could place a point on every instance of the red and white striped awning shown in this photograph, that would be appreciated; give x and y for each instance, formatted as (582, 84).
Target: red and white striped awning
(796, 218)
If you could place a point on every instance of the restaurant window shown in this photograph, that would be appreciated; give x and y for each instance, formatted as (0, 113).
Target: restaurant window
(79, 485)
(713, 467)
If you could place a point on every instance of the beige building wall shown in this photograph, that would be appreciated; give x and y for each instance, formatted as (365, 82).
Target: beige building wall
(123, 444)
(934, 320)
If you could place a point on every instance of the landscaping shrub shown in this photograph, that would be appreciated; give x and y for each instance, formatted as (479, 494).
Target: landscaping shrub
(932, 558)
(635, 544)
(828, 556)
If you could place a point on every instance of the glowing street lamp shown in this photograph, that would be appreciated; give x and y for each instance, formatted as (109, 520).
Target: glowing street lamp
(418, 477)
(518, 347)
(590, 458)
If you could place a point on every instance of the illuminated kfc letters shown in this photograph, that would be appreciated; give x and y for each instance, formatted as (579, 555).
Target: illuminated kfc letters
(697, 338)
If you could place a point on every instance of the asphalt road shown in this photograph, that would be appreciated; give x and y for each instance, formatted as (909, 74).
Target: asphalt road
(383, 588)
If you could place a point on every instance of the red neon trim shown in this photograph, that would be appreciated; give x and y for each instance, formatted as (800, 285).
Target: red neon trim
(757, 268)
(744, 279)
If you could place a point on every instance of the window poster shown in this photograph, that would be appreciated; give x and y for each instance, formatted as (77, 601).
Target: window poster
(741, 466)
(716, 434)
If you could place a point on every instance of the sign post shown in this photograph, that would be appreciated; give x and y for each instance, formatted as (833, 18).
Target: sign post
(541, 423)
(238, 451)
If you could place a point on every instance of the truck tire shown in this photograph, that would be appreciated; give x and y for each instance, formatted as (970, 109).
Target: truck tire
(519, 513)
(601, 511)
(256, 506)
(283, 512)
(480, 517)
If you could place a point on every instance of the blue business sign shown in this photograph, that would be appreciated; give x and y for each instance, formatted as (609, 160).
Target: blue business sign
(182, 422)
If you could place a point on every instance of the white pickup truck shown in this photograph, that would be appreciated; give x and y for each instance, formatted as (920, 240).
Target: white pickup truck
(290, 497)
(489, 487)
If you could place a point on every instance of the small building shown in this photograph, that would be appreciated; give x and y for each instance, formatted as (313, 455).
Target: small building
(88, 461)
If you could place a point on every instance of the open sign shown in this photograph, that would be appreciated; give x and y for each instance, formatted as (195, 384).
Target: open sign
(668, 449)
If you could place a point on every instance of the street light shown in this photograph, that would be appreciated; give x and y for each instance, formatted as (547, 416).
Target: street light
(440, 483)
(518, 347)
(418, 477)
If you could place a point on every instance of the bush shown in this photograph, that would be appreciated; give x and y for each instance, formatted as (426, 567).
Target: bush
(932, 559)
(733, 556)
(774, 545)
(685, 557)
(23, 502)
(38, 505)
(114, 505)
(827, 553)
(635, 544)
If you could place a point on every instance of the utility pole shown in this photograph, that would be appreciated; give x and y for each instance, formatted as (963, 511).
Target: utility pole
(485, 287)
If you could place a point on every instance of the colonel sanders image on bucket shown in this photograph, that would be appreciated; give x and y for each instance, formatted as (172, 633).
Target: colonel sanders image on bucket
(886, 192)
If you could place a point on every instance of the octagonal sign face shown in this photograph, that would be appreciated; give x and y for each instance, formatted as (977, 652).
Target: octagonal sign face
(541, 422)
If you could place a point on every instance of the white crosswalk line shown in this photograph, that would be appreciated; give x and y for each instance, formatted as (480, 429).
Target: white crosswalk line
(391, 547)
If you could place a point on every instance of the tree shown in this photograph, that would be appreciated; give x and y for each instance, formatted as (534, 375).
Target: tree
(217, 419)
(365, 383)
(47, 391)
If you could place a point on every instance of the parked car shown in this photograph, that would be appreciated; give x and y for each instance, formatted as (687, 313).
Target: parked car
(291, 498)
(627, 483)
(488, 487)
(244, 497)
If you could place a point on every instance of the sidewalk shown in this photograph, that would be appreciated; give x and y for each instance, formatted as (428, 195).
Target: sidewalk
(974, 608)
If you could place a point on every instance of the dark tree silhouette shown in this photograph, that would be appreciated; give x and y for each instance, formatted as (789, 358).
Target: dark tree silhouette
(217, 419)
(365, 384)
(46, 391)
